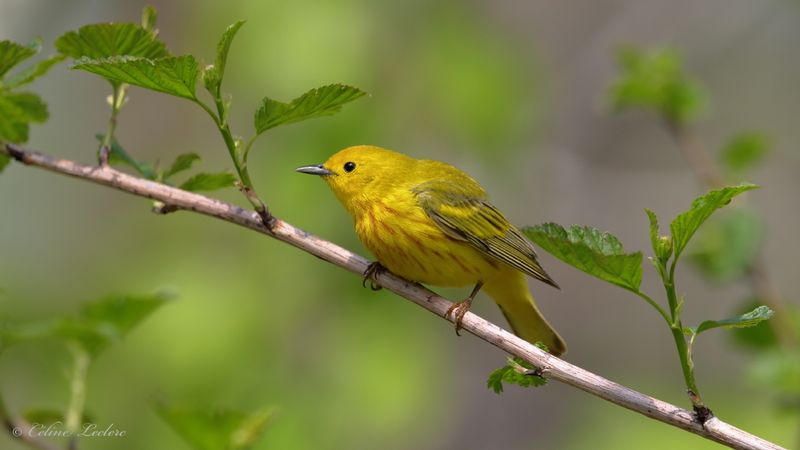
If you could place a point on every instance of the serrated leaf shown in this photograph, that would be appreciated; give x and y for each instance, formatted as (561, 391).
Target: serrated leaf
(317, 102)
(656, 80)
(181, 163)
(223, 47)
(32, 73)
(12, 53)
(98, 324)
(17, 110)
(590, 250)
(174, 75)
(744, 151)
(749, 319)
(104, 40)
(686, 224)
(763, 337)
(208, 182)
(216, 429)
(653, 219)
(514, 373)
(117, 156)
(727, 244)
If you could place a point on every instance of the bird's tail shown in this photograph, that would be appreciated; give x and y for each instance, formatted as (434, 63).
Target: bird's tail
(510, 292)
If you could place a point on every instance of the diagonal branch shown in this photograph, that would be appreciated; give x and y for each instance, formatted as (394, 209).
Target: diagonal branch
(550, 366)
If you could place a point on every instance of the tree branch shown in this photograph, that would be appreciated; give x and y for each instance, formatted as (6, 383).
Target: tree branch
(552, 367)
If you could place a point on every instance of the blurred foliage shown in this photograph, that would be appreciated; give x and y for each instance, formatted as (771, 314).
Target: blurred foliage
(656, 80)
(97, 325)
(743, 152)
(216, 430)
(779, 371)
(478, 89)
(726, 247)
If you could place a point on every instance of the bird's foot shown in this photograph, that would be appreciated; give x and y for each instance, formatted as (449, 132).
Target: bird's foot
(457, 311)
(373, 270)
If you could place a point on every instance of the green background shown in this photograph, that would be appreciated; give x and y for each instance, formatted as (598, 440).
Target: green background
(512, 92)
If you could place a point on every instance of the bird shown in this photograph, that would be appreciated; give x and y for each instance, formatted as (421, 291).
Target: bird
(429, 222)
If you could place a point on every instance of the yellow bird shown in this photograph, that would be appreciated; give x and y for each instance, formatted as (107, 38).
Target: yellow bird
(430, 222)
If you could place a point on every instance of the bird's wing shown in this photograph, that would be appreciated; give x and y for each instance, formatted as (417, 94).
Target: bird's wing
(462, 212)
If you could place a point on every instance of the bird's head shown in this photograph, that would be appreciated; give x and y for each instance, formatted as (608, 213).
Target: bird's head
(362, 174)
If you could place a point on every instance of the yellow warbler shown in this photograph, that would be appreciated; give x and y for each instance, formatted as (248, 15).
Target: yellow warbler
(429, 222)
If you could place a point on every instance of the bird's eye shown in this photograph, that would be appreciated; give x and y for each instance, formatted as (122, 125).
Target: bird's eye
(349, 166)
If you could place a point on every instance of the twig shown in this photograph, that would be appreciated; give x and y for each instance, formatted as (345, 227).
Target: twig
(699, 160)
(556, 369)
(762, 284)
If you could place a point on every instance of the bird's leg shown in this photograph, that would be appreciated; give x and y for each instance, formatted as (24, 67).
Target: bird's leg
(458, 309)
(373, 269)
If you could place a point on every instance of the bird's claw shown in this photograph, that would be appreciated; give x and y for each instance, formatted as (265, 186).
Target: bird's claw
(457, 311)
(373, 270)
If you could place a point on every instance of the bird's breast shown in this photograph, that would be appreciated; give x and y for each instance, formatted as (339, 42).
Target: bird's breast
(408, 243)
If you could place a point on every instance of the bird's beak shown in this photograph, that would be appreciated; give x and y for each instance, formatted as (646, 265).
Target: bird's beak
(314, 170)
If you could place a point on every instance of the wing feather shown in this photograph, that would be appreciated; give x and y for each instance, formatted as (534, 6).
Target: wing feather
(462, 211)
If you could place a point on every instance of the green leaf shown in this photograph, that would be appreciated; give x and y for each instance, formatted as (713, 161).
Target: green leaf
(149, 18)
(181, 163)
(117, 156)
(763, 337)
(744, 151)
(32, 73)
(749, 319)
(517, 371)
(727, 244)
(174, 75)
(216, 430)
(208, 182)
(30, 105)
(105, 40)
(686, 224)
(17, 110)
(212, 77)
(656, 80)
(662, 245)
(592, 251)
(4, 161)
(317, 102)
(12, 53)
(98, 324)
